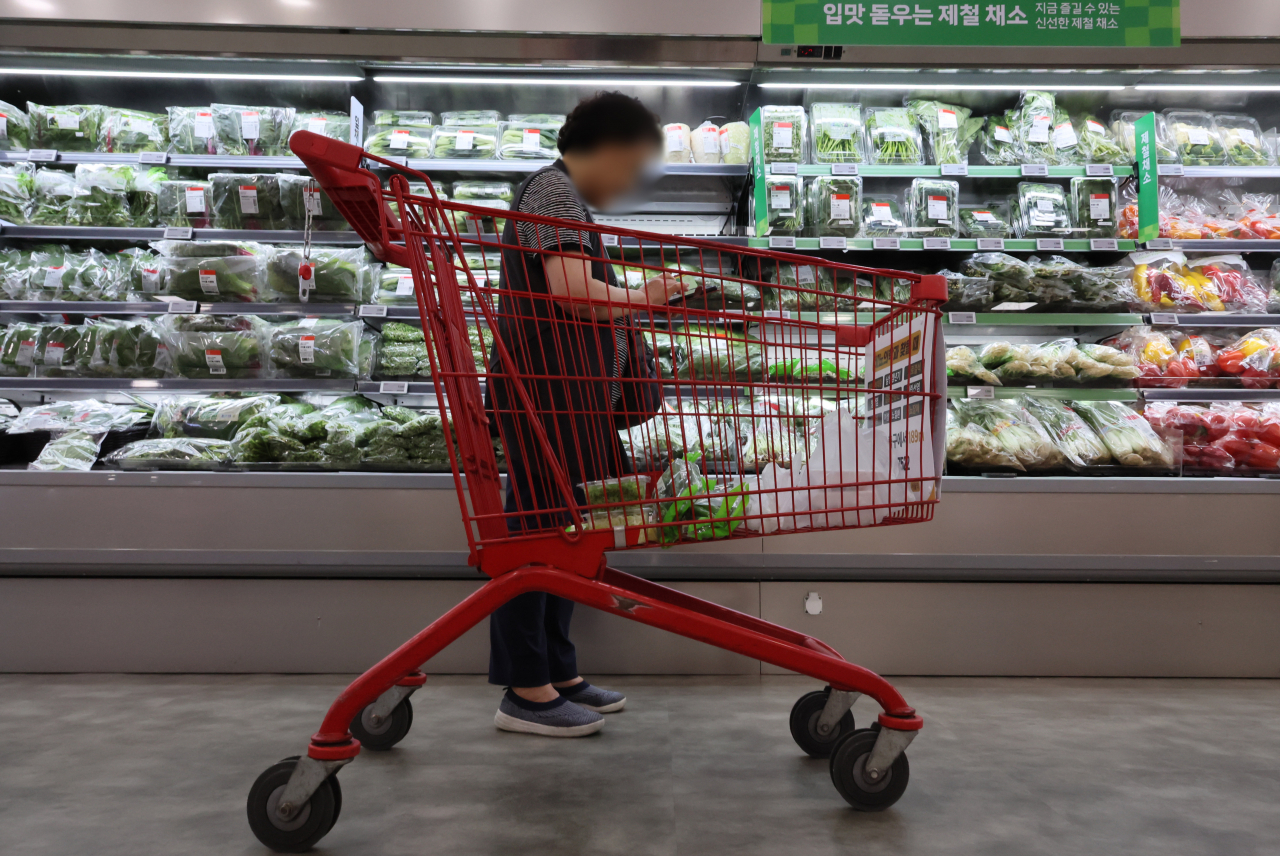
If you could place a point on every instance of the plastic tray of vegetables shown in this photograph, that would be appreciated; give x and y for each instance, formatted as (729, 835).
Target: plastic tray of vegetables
(987, 221)
(1241, 136)
(401, 133)
(1042, 211)
(835, 205)
(530, 135)
(893, 136)
(934, 207)
(837, 133)
(1196, 136)
(474, 140)
(1093, 201)
(784, 204)
(1122, 126)
(783, 129)
(882, 217)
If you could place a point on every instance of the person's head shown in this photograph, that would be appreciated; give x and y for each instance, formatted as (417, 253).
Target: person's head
(606, 142)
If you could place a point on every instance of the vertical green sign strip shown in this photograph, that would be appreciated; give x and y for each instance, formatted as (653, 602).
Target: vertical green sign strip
(1144, 135)
(757, 159)
(1116, 23)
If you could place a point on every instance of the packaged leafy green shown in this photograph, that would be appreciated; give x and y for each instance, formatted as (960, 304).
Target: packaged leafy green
(54, 190)
(240, 130)
(1034, 127)
(69, 128)
(1042, 211)
(17, 192)
(15, 128)
(1018, 432)
(216, 347)
(835, 205)
(1122, 122)
(531, 135)
(320, 347)
(298, 193)
(57, 350)
(1066, 143)
(987, 221)
(805, 288)
(1195, 135)
(893, 136)
(144, 196)
(340, 275)
(973, 293)
(395, 287)
(1011, 277)
(132, 348)
(133, 131)
(1094, 202)
(948, 129)
(102, 195)
(225, 279)
(185, 203)
(934, 207)
(1241, 136)
(161, 453)
(783, 129)
(882, 217)
(837, 133)
(401, 133)
(474, 141)
(785, 211)
(735, 142)
(74, 451)
(191, 131)
(58, 274)
(246, 201)
(705, 142)
(1097, 144)
(335, 126)
(996, 141)
(18, 349)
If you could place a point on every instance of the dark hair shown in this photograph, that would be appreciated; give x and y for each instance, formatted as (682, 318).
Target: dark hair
(608, 117)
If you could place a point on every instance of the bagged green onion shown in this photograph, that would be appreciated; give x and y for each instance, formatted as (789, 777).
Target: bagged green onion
(1097, 144)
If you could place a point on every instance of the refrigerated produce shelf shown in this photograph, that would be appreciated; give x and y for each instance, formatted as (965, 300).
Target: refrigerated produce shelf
(974, 171)
(1057, 393)
(161, 307)
(957, 245)
(173, 384)
(107, 233)
(1207, 394)
(1221, 245)
(1041, 319)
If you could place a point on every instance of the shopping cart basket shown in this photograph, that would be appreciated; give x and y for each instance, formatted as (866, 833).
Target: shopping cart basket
(775, 393)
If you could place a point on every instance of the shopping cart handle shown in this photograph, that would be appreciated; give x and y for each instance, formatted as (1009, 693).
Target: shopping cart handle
(306, 144)
(930, 287)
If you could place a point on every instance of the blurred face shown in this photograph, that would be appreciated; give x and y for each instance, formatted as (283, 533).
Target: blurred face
(610, 170)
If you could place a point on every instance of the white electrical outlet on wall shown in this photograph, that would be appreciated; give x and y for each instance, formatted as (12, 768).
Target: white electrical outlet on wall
(813, 603)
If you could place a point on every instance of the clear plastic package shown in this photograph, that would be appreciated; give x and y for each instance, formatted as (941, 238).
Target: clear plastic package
(339, 275)
(53, 192)
(191, 131)
(335, 126)
(144, 196)
(67, 127)
(784, 203)
(1082, 447)
(185, 203)
(735, 142)
(246, 201)
(1093, 201)
(1195, 135)
(462, 118)
(401, 133)
(1127, 435)
(74, 451)
(893, 136)
(882, 217)
(215, 347)
(835, 205)
(240, 130)
(783, 129)
(213, 279)
(1018, 432)
(1241, 136)
(531, 135)
(705, 141)
(1034, 128)
(16, 131)
(986, 221)
(949, 129)
(17, 192)
(1042, 211)
(300, 194)
(1234, 282)
(996, 141)
(1122, 122)
(320, 347)
(934, 209)
(467, 141)
(101, 195)
(1098, 144)
(134, 131)
(677, 146)
(168, 453)
(837, 132)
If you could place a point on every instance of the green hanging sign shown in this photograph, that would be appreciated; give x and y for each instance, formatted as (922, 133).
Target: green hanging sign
(1116, 23)
(1144, 145)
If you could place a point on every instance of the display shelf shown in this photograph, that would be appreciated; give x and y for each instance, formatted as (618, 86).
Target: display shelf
(174, 384)
(974, 171)
(267, 162)
(1174, 170)
(1209, 394)
(1056, 393)
(164, 307)
(1043, 319)
(106, 233)
(1216, 245)
(958, 245)
(1216, 319)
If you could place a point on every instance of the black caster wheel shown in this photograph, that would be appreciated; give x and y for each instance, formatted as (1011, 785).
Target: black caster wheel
(848, 773)
(333, 781)
(383, 735)
(307, 827)
(804, 725)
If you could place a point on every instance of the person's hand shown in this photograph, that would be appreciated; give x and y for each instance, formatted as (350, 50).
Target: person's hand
(660, 290)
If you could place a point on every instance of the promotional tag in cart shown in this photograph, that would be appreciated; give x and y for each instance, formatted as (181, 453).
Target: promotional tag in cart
(901, 359)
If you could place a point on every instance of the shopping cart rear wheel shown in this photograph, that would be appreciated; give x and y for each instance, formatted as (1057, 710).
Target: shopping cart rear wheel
(381, 736)
(804, 724)
(848, 763)
(333, 783)
(307, 827)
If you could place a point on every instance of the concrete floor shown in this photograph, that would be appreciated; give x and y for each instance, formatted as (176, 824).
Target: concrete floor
(130, 765)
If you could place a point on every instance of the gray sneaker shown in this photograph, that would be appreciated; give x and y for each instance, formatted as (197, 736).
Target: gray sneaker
(594, 698)
(561, 718)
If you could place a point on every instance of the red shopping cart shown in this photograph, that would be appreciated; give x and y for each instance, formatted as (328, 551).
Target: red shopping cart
(776, 393)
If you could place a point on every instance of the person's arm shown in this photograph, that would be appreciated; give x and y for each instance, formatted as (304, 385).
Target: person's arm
(570, 281)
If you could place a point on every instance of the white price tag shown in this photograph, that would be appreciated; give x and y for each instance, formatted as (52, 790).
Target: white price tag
(1012, 307)
(307, 349)
(195, 200)
(393, 387)
(153, 157)
(987, 392)
(1099, 206)
(1248, 136)
(840, 206)
(784, 168)
(937, 208)
(962, 318)
(1094, 127)
(1164, 319)
(150, 281)
(1198, 136)
(609, 240)
(371, 311)
(248, 199)
(1160, 244)
(1044, 204)
(1036, 169)
(42, 155)
(782, 136)
(1169, 169)
(782, 242)
(947, 119)
(531, 140)
(465, 141)
(316, 124)
(203, 125)
(209, 281)
(1003, 135)
(311, 199)
(26, 355)
(1064, 136)
(177, 233)
(1101, 170)
(833, 242)
(984, 216)
(844, 169)
(66, 121)
(404, 285)
(886, 243)
(710, 140)
(53, 353)
(4, 127)
(1039, 131)
(881, 211)
(675, 138)
(213, 359)
(183, 307)
(955, 169)
(780, 198)
(1101, 244)
(1048, 244)
(937, 243)
(724, 141)
(249, 125)
(990, 243)
(399, 139)
(398, 160)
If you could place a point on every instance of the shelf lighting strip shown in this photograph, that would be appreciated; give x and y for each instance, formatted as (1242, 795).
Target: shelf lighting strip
(183, 75)
(554, 81)
(973, 87)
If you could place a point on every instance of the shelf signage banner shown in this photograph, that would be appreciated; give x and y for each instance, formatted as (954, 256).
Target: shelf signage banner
(1144, 136)
(1117, 23)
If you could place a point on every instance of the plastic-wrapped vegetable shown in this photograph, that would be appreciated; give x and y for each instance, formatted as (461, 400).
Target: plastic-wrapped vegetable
(54, 190)
(102, 195)
(335, 126)
(996, 140)
(1010, 276)
(340, 275)
(18, 349)
(1042, 211)
(17, 192)
(1195, 135)
(187, 274)
(705, 141)
(783, 129)
(882, 217)
(320, 347)
(714, 354)
(1122, 125)
(67, 128)
(240, 130)
(191, 131)
(246, 201)
(1073, 437)
(784, 202)
(1234, 282)
(403, 352)
(947, 129)
(75, 451)
(217, 347)
(1104, 289)
(678, 147)
(1097, 144)
(462, 118)
(971, 445)
(1127, 435)
(985, 222)
(144, 196)
(134, 131)
(1066, 143)
(934, 208)
(219, 416)
(1017, 431)
(1034, 127)
(185, 203)
(401, 133)
(963, 362)
(395, 287)
(1094, 202)
(15, 128)
(186, 453)
(300, 194)
(974, 293)
(735, 142)
(472, 140)
(531, 135)
(130, 348)
(837, 133)
(57, 350)
(1241, 136)
(892, 136)
(1162, 282)
(497, 195)
(835, 205)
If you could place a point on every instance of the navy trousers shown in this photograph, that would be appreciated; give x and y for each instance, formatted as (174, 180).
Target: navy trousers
(529, 641)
